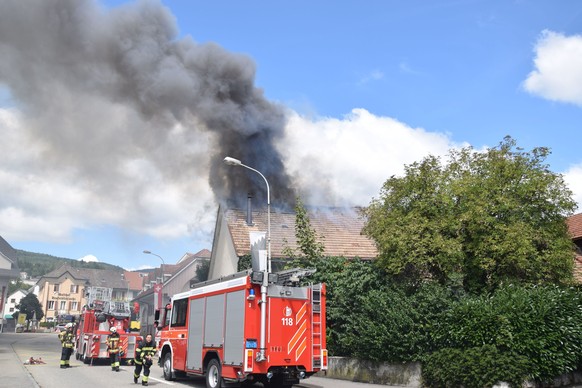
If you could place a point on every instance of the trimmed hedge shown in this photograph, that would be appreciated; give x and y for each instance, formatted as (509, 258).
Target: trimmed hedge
(543, 324)
(478, 367)
(455, 336)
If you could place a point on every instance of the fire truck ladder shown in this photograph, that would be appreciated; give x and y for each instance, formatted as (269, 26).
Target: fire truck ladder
(316, 334)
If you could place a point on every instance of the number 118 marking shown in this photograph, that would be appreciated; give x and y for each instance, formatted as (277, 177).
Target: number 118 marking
(287, 321)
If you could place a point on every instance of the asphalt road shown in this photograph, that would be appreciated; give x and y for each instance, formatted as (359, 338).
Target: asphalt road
(15, 348)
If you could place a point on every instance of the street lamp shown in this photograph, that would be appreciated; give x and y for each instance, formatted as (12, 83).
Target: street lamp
(163, 262)
(235, 162)
(261, 355)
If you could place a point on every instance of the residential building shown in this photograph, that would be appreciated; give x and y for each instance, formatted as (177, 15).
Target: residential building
(62, 292)
(339, 229)
(8, 271)
(176, 279)
(12, 301)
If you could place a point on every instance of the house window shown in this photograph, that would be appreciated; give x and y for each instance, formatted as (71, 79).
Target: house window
(51, 305)
(13, 300)
(11, 309)
(74, 306)
(74, 288)
(56, 288)
(63, 305)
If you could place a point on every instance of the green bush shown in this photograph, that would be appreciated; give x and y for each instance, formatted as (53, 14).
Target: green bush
(373, 316)
(543, 324)
(478, 367)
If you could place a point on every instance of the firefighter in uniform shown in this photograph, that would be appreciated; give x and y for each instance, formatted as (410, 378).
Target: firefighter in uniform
(114, 348)
(144, 354)
(67, 342)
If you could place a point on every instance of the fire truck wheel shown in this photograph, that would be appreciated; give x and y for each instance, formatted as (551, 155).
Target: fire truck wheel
(213, 374)
(167, 367)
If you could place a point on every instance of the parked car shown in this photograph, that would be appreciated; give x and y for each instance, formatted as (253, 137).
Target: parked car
(60, 327)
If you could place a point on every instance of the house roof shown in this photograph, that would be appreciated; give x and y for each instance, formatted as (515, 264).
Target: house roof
(94, 277)
(134, 280)
(575, 225)
(7, 251)
(339, 229)
(204, 254)
(173, 269)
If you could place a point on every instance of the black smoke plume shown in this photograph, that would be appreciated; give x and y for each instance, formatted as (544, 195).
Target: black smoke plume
(99, 87)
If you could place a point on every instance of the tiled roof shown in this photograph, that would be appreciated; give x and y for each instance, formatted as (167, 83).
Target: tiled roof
(575, 225)
(172, 269)
(339, 230)
(204, 253)
(94, 277)
(134, 279)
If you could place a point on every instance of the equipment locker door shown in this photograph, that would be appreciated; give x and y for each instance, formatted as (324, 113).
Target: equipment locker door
(195, 331)
(234, 331)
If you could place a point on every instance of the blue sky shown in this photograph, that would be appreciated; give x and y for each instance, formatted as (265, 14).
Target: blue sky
(366, 87)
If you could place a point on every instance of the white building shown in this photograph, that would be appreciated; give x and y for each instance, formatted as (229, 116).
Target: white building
(12, 301)
(8, 271)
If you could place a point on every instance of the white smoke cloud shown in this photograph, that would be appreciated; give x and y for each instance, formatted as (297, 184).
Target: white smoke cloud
(344, 162)
(45, 204)
(558, 68)
(116, 121)
(333, 162)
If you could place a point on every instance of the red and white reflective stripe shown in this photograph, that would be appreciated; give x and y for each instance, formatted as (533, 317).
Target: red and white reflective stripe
(324, 359)
(94, 348)
(249, 360)
(299, 339)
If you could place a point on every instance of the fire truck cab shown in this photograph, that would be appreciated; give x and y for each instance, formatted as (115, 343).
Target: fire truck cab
(215, 330)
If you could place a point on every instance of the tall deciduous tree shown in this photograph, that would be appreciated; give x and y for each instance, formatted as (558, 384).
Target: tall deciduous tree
(481, 217)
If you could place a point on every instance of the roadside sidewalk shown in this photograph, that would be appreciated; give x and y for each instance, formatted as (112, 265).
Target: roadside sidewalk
(14, 373)
(326, 382)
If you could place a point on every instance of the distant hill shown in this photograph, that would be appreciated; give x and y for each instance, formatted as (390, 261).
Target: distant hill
(39, 264)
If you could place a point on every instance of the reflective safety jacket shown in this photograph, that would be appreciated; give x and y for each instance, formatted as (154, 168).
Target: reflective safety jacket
(67, 339)
(144, 349)
(113, 343)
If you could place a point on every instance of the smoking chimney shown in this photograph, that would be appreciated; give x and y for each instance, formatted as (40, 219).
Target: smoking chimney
(249, 210)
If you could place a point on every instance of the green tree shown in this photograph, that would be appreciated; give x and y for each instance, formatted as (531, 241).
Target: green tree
(29, 305)
(481, 218)
(309, 244)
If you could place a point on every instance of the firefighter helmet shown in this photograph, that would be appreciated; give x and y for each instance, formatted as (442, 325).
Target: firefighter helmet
(68, 325)
(113, 330)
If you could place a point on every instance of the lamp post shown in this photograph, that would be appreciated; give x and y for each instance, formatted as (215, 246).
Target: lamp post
(261, 355)
(163, 264)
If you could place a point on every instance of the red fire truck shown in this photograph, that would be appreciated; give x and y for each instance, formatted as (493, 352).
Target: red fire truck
(241, 329)
(100, 314)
